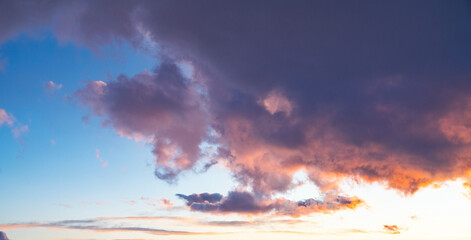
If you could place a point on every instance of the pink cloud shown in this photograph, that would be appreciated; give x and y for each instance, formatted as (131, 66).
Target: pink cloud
(104, 164)
(17, 128)
(6, 118)
(164, 107)
(166, 203)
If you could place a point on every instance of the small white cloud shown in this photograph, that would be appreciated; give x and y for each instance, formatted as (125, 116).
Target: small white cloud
(51, 86)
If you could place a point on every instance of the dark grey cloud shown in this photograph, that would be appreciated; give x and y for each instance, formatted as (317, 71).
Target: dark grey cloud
(201, 198)
(3, 236)
(244, 202)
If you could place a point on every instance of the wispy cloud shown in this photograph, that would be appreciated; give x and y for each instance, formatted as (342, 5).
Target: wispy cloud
(16, 127)
(166, 203)
(104, 164)
(98, 225)
(6, 118)
(392, 229)
(64, 205)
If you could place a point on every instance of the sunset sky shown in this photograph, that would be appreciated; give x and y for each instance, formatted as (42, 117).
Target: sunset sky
(210, 119)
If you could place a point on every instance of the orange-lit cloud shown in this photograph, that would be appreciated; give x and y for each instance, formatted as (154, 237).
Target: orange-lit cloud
(467, 188)
(166, 203)
(392, 229)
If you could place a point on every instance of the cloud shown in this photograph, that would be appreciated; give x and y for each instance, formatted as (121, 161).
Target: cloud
(97, 225)
(336, 104)
(253, 222)
(201, 198)
(132, 203)
(3, 236)
(275, 102)
(64, 205)
(327, 91)
(392, 229)
(17, 129)
(51, 86)
(166, 203)
(244, 202)
(104, 164)
(6, 118)
(467, 188)
(163, 107)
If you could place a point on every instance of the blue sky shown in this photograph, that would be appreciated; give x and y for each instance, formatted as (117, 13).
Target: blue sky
(54, 163)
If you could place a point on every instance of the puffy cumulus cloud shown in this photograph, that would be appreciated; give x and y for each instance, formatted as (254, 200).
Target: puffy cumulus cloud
(305, 85)
(163, 107)
(243, 202)
(3, 236)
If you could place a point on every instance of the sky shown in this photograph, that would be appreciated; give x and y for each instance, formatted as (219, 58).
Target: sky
(140, 120)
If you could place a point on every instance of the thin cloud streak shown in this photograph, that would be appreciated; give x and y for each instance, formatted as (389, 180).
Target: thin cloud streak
(94, 225)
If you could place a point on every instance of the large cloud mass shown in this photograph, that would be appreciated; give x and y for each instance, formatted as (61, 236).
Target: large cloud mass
(377, 91)
(164, 106)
